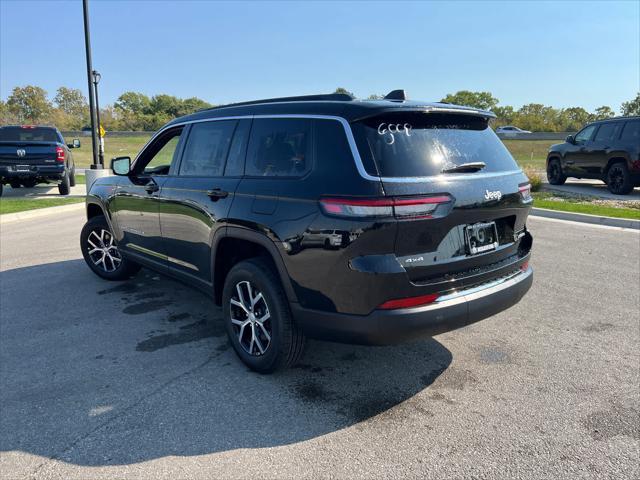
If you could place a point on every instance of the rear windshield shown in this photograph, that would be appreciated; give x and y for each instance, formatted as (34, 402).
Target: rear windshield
(423, 144)
(22, 134)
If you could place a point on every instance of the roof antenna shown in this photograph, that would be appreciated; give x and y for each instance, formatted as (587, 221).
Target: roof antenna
(396, 95)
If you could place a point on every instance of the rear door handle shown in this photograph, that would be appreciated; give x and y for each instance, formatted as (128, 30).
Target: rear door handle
(217, 193)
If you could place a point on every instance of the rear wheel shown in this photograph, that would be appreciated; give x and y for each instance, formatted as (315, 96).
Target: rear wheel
(72, 177)
(15, 184)
(1, 188)
(619, 179)
(101, 252)
(29, 183)
(554, 172)
(64, 187)
(258, 319)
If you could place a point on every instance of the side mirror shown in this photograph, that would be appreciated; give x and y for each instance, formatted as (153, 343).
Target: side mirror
(75, 144)
(570, 139)
(121, 165)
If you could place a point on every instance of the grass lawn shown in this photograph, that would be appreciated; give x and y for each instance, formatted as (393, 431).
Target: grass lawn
(113, 147)
(13, 205)
(552, 201)
(521, 150)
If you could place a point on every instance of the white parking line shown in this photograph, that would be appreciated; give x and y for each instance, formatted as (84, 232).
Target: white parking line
(582, 224)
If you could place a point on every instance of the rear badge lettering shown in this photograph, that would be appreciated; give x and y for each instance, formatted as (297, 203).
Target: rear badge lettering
(495, 195)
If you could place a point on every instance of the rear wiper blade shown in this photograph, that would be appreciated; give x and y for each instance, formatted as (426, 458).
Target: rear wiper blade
(465, 167)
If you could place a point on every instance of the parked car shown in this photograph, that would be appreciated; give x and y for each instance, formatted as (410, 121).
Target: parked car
(510, 131)
(608, 150)
(369, 222)
(32, 154)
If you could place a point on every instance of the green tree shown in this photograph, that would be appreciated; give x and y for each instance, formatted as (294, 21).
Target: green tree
(193, 104)
(632, 107)
(72, 109)
(574, 118)
(505, 115)
(482, 100)
(29, 104)
(165, 104)
(603, 112)
(344, 91)
(132, 103)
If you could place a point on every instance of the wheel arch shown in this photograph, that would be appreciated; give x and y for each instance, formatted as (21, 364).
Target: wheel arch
(614, 159)
(236, 244)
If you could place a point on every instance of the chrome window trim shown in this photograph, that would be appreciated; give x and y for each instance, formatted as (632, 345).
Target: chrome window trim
(352, 145)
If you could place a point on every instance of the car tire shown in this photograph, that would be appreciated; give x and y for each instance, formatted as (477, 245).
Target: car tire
(554, 172)
(15, 184)
(619, 179)
(72, 178)
(101, 252)
(1, 188)
(29, 183)
(258, 319)
(64, 187)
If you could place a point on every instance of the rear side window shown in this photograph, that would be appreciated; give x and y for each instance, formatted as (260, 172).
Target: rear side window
(206, 150)
(28, 134)
(279, 147)
(418, 144)
(238, 150)
(607, 132)
(631, 132)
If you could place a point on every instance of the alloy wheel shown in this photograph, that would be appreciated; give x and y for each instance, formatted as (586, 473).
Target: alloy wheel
(103, 251)
(250, 318)
(616, 178)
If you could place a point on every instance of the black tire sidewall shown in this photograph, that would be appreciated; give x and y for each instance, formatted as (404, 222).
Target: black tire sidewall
(560, 179)
(627, 186)
(259, 274)
(64, 187)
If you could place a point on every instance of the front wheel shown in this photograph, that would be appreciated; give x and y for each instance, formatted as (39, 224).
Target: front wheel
(258, 318)
(619, 179)
(101, 252)
(554, 172)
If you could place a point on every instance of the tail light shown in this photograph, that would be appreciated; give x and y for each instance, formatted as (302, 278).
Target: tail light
(525, 266)
(409, 302)
(399, 207)
(60, 154)
(525, 192)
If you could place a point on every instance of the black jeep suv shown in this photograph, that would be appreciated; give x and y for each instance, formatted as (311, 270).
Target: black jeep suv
(31, 154)
(608, 150)
(358, 221)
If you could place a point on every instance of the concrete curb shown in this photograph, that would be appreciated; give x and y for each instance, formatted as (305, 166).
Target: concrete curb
(586, 218)
(40, 212)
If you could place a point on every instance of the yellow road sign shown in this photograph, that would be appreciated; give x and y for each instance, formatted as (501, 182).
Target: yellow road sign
(102, 131)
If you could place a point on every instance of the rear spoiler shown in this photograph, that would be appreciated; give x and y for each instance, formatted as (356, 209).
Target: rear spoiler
(433, 109)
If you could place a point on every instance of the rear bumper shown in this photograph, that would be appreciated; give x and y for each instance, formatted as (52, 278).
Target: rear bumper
(384, 327)
(54, 172)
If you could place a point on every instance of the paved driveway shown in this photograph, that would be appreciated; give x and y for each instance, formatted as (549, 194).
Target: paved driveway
(593, 188)
(136, 379)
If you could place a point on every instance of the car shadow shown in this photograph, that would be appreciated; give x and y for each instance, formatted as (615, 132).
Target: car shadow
(97, 373)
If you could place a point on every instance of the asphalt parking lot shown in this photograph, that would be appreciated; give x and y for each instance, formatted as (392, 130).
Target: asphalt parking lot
(135, 379)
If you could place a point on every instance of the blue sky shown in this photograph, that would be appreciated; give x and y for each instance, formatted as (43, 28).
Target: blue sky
(557, 53)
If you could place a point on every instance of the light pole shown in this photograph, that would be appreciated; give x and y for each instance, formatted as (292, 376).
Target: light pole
(95, 75)
(92, 111)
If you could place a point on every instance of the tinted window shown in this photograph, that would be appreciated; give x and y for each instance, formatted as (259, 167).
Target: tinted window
(606, 132)
(159, 156)
(279, 147)
(631, 132)
(418, 144)
(238, 150)
(28, 134)
(206, 150)
(585, 134)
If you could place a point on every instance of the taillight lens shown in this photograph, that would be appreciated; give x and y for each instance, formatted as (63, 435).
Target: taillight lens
(525, 192)
(60, 154)
(409, 302)
(398, 207)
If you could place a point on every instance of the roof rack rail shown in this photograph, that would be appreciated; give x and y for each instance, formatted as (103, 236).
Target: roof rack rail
(333, 97)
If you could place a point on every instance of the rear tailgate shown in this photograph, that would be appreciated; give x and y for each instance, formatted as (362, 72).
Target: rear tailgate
(409, 150)
(27, 153)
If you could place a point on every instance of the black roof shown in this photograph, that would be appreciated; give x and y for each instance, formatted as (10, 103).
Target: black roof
(338, 105)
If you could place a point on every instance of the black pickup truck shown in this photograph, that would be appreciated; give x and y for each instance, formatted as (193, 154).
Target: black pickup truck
(31, 154)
